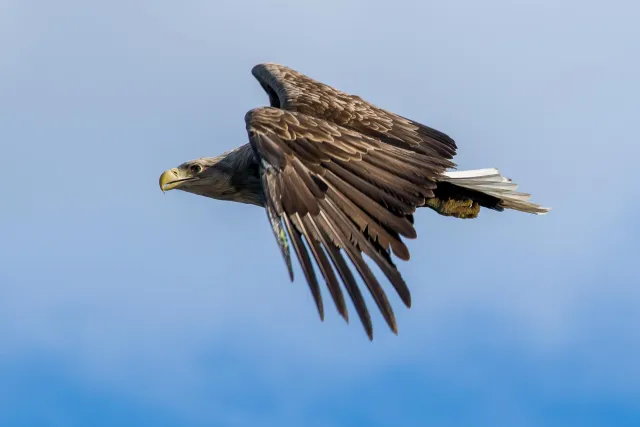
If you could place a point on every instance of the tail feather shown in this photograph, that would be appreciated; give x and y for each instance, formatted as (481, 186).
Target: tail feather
(490, 182)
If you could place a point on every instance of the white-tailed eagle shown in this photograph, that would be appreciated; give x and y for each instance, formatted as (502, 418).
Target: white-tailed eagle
(338, 178)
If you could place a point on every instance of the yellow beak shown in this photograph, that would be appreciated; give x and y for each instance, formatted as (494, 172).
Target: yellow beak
(169, 180)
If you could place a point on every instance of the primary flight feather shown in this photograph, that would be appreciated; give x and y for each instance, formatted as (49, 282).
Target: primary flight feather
(339, 178)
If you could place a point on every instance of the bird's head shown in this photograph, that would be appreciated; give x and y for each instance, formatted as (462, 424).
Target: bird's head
(230, 176)
(205, 176)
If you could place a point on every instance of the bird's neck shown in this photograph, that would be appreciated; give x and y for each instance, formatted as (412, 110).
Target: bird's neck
(245, 176)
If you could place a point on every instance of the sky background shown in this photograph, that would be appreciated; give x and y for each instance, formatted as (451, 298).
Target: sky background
(123, 306)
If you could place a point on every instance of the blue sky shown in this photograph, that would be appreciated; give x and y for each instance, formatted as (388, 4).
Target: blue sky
(123, 306)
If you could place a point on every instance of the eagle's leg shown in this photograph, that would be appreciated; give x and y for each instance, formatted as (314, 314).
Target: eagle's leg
(464, 208)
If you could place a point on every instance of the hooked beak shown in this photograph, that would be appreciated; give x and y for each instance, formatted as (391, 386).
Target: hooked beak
(170, 179)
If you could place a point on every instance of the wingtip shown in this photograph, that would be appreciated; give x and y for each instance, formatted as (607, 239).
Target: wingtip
(406, 299)
(368, 329)
(345, 316)
(267, 66)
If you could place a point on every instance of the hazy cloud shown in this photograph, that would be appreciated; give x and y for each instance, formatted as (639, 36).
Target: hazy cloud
(180, 302)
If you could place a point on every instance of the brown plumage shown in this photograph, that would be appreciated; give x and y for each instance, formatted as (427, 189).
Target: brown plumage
(343, 178)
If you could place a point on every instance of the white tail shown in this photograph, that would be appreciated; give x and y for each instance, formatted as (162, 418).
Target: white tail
(490, 182)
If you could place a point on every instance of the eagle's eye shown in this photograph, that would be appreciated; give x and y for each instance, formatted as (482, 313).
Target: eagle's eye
(195, 168)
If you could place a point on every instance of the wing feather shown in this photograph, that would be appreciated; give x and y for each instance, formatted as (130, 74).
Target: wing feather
(291, 90)
(345, 274)
(307, 267)
(312, 234)
(332, 189)
(389, 201)
(281, 238)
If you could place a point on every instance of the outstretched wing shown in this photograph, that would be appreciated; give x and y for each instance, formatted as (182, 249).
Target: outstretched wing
(293, 91)
(341, 192)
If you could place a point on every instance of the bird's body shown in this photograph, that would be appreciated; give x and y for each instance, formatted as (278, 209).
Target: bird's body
(342, 177)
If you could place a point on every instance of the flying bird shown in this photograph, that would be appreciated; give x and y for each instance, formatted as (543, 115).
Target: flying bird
(340, 178)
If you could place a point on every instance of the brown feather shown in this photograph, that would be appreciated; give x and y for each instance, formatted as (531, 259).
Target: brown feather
(338, 220)
(305, 263)
(364, 186)
(309, 227)
(338, 189)
(395, 184)
(347, 277)
(290, 90)
(373, 209)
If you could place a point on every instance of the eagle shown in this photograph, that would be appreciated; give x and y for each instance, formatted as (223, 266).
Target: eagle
(340, 178)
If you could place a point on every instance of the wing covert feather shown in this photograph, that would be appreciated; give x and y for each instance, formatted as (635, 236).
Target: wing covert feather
(291, 90)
